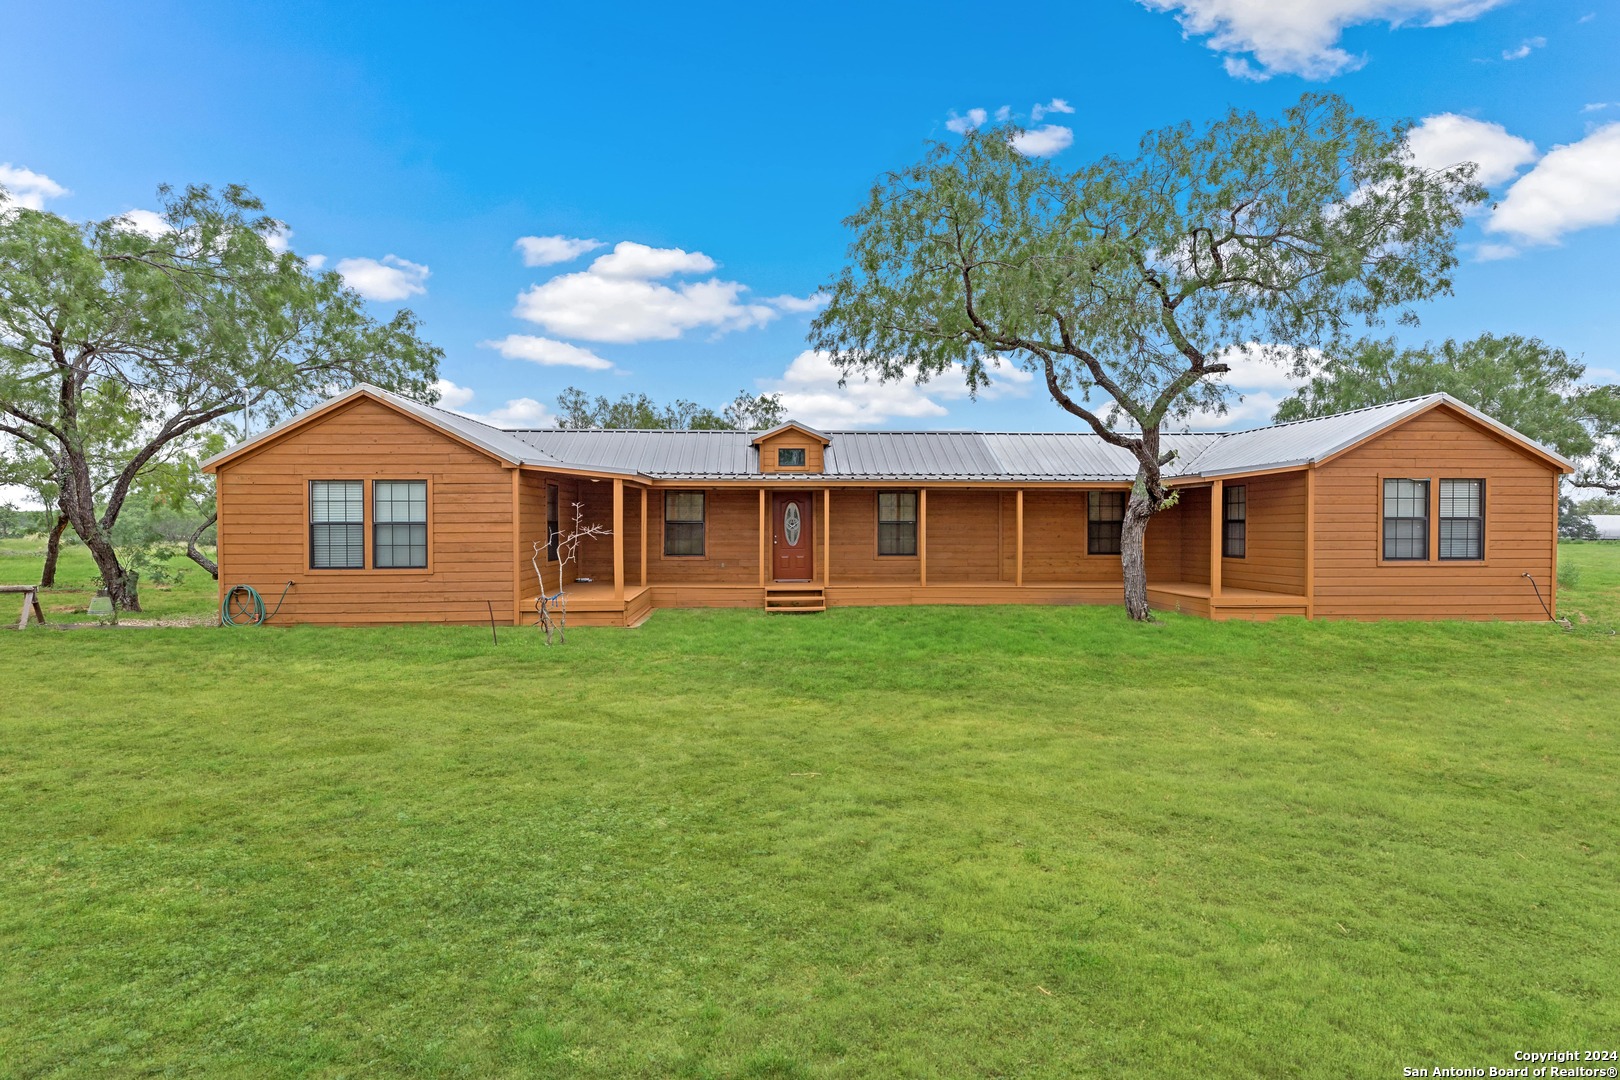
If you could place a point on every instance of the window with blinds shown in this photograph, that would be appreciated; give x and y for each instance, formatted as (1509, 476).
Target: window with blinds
(1235, 521)
(337, 524)
(1462, 519)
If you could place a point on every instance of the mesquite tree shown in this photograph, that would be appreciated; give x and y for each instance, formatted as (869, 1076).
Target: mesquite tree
(1123, 284)
(121, 348)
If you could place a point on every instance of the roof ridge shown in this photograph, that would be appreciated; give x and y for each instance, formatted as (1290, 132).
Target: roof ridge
(1334, 416)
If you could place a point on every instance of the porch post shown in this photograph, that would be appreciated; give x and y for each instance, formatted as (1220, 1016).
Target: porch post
(922, 536)
(826, 537)
(1310, 542)
(517, 546)
(643, 581)
(618, 538)
(1018, 533)
(763, 558)
(1216, 495)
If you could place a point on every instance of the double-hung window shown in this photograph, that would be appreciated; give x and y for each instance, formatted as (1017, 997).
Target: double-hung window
(399, 524)
(1462, 519)
(1235, 521)
(337, 524)
(897, 523)
(683, 523)
(1406, 519)
(1105, 520)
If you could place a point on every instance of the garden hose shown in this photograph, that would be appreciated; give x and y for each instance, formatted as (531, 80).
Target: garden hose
(243, 606)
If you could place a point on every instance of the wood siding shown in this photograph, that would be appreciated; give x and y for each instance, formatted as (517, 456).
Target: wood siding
(730, 540)
(1275, 540)
(814, 452)
(265, 519)
(1520, 499)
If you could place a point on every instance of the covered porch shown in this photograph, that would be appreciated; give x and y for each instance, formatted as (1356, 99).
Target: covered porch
(963, 544)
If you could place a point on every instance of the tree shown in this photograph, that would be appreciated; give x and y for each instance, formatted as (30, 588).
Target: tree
(1523, 382)
(1125, 283)
(1574, 522)
(746, 412)
(120, 349)
(25, 467)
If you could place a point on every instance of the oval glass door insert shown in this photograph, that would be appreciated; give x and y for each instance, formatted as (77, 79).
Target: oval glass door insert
(790, 524)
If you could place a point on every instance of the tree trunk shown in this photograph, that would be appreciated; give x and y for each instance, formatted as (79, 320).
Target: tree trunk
(120, 584)
(197, 556)
(1139, 510)
(53, 548)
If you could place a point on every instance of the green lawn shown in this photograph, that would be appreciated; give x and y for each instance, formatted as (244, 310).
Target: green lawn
(875, 842)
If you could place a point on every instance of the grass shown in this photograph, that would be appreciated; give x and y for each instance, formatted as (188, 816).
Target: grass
(877, 842)
(192, 599)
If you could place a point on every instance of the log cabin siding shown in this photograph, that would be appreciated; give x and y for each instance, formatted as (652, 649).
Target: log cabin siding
(266, 514)
(1275, 536)
(854, 539)
(730, 540)
(1352, 582)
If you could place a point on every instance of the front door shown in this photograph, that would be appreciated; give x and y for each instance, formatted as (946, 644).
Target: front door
(793, 545)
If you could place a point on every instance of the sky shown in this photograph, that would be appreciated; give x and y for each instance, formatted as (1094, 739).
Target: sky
(648, 197)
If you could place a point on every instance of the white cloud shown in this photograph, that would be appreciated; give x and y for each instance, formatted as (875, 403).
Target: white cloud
(278, 239)
(315, 262)
(631, 260)
(1043, 141)
(1301, 37)
(451, 396)
(28, 188)
(388, 278)
(520, 412)
(1526, 47)
(1056, 105)
(616, 300)
(548, 250)
(1004, 114)
(1447, 139)
(145, 222)
(546, 352)
(1494, 252)
(799, 304)
(1597, 106)
(975, 118)
(1575, 186)
(811, 394)
(1255, 410)
(516, 413)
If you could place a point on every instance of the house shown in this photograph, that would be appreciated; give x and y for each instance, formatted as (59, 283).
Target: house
(380, 509)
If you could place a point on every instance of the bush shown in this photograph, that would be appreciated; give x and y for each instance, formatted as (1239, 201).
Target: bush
(1569, 575)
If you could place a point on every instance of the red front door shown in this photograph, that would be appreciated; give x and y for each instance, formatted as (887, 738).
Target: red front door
(793, 543)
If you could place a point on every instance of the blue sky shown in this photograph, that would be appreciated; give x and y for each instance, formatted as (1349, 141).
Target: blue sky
(414, 146)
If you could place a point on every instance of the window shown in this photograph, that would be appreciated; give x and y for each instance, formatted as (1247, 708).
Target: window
(897, 523)
(1406, 519)
(399, 524)
(1235, 521)
(552, 529)
(337, 525)
(1462, 519)
(792, 458)
(1105, 518)
(683, 523)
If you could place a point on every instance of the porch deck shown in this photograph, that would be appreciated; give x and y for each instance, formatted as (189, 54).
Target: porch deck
(593, 603)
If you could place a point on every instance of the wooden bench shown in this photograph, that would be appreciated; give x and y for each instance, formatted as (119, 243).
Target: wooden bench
(30, 595)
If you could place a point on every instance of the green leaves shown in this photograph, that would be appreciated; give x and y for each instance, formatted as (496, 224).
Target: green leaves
(1523, 382)
(125, 343)
(1129, 277)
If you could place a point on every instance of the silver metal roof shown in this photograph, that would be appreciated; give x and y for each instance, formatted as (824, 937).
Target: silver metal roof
(920, 455)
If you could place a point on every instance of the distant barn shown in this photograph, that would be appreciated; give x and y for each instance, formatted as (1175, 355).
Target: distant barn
(1608, 526)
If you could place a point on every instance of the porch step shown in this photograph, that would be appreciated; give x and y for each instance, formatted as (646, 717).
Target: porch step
(795, 599)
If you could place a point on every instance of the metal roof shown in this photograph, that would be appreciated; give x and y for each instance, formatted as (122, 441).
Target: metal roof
(920, 455)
